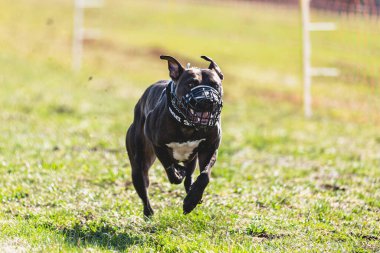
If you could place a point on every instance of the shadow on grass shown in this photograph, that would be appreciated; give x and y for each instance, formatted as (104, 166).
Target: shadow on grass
(105, 236)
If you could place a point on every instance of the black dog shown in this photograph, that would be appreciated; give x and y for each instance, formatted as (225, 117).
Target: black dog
(177, 121)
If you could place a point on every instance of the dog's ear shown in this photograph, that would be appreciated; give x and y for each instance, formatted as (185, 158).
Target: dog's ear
(213, 66)
(175, 68)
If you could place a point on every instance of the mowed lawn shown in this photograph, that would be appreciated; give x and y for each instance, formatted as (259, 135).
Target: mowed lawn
(282, 183)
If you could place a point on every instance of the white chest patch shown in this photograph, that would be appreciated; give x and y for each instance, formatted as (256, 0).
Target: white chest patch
(182, 151)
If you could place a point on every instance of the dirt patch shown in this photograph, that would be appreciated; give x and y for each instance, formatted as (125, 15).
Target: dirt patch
(332, 187)
(267, 236)
(62, 109)
(366, 237)
(279, 96)
(90, 149)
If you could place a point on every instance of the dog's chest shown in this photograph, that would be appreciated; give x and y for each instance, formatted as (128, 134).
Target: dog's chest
(183, 150)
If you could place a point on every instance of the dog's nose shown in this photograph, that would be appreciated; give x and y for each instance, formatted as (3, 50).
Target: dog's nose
(205, 105)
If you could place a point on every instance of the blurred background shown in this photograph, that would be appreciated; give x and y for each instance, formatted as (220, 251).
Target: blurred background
(69, 80)
(257, 43)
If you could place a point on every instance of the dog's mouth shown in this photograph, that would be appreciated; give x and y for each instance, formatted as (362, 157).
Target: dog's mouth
(200, 117)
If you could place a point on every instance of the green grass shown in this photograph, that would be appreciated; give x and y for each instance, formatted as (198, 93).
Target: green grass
(282, 183)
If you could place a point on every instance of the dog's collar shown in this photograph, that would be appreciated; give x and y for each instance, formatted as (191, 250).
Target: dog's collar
(174, 109)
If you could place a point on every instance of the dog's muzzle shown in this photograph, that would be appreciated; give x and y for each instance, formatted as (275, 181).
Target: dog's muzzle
(201, 106)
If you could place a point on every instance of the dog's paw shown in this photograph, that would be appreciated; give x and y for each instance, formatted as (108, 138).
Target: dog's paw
(148, 212)
(193, 198)
(176, 174)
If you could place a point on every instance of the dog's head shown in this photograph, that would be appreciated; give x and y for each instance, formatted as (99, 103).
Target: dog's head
(197, 92)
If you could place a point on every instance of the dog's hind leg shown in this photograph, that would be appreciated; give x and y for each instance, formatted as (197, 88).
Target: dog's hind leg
(140, 182)
(141, 156)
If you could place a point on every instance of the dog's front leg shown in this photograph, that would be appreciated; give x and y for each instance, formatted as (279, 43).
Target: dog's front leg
(175, 172)
(194, 196)
(190, 167)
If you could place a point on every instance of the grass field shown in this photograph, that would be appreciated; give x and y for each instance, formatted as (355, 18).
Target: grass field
(282, 183)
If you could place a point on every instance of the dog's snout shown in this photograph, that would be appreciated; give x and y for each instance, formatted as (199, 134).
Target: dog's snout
(206, 105)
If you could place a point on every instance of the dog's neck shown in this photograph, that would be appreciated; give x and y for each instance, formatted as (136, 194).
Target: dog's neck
(173, 106)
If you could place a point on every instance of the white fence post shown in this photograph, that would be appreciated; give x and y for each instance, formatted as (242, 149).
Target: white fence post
(305, 11)
(308, 70)
(80, 33)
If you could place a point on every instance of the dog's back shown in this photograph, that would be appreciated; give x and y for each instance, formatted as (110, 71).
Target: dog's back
(149, 100)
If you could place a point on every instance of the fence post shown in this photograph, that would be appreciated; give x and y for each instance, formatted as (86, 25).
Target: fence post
(80, 33)
(306, 53)
(308, 70)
